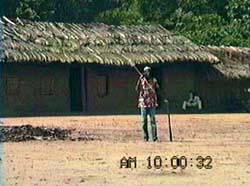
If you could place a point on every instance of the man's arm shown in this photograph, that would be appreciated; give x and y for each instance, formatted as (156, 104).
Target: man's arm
(196, 99)
(156, 83)
(190, 100)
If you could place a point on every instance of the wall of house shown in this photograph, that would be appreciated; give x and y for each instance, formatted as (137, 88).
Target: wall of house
(236, 96)
(111, 90)
(175, 82)
(31, 89)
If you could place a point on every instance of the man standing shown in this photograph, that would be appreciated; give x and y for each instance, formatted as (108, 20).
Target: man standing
(147, 102)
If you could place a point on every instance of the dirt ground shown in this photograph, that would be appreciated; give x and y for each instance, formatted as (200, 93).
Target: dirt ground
(224, 137)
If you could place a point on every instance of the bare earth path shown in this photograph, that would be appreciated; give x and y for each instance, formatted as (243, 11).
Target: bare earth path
(224, 137)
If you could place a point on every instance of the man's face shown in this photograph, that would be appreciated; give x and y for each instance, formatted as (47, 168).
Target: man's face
(147, 73)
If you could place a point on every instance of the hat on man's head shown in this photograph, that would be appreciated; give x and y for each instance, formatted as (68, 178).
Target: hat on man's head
(146, 68)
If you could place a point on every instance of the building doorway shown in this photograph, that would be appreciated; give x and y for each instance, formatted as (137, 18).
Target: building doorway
(75, 81)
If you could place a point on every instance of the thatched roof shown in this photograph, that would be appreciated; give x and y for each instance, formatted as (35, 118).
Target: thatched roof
(234, 61)
(27, 41)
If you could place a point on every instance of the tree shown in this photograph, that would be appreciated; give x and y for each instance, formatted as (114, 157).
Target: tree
(127, 14)
(238, 10)
(57, 10)
(214, 22)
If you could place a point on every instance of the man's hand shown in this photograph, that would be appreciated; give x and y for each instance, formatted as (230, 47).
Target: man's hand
(156, 83)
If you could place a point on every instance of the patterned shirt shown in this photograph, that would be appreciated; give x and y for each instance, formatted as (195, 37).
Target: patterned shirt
(147, 93)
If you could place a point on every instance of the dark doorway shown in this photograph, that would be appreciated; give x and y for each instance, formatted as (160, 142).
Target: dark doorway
(76, 88)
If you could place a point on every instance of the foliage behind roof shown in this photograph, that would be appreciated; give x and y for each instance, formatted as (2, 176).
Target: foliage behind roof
(27, 41)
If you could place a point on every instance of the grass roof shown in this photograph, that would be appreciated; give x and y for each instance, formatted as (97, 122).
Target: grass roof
(234, 61)
(28, 41)
(25, 41)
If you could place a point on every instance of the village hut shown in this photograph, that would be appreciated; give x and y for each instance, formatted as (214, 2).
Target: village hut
(232, 91)
(65, 68)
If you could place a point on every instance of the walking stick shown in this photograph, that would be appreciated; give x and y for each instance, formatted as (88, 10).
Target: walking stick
(169, 121)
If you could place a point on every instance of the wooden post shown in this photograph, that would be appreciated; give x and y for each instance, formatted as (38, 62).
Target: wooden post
(84, 89)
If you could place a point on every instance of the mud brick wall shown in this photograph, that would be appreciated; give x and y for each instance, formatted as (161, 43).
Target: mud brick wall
(120, 97)
(33, 89)
(30, 89)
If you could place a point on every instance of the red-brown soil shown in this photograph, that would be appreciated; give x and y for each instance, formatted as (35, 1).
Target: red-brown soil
(224, 137)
